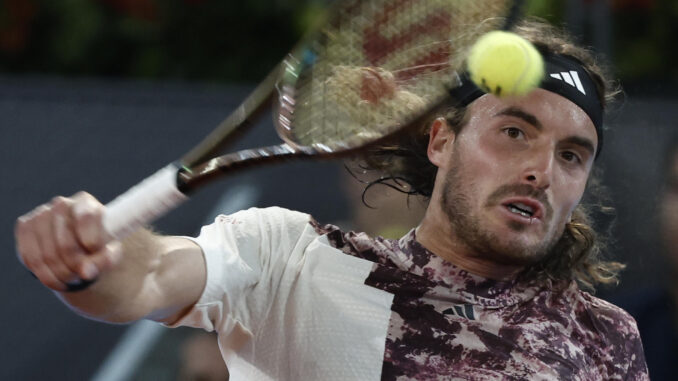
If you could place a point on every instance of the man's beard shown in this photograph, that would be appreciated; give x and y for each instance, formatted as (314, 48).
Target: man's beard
(482, 242)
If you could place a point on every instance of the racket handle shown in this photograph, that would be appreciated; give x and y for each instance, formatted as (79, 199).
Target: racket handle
(144, 203)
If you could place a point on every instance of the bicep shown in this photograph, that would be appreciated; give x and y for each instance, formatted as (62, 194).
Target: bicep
(176, 281)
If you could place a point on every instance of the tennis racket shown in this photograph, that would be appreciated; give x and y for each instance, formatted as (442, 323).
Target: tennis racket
(371, 69)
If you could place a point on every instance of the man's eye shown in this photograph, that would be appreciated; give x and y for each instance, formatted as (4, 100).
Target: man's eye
(570, 157)
(513, 132)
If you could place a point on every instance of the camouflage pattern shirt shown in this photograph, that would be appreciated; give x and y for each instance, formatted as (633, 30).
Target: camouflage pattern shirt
(292, 299)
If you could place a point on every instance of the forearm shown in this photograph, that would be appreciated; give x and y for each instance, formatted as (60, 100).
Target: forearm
(118, 295)
(144, 276)
(158, 277)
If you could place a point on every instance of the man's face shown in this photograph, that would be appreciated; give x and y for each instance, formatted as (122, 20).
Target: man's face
(512, 177)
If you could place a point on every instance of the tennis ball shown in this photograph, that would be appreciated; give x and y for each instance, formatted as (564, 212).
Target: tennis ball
(505, 64)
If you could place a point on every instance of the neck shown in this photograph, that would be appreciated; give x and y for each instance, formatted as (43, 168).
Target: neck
(436, 234)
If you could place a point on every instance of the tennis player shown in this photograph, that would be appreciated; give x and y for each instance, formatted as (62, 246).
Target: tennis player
(489, 286)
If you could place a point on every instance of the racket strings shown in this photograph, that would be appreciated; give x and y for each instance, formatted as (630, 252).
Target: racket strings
(379, 64)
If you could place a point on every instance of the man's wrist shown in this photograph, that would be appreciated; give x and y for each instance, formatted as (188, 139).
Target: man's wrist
(79, 285)
(74, 286)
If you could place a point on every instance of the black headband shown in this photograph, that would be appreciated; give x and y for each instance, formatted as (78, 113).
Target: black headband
(564, 76)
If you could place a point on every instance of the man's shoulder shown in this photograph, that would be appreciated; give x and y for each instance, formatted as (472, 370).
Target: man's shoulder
(273, 212)
(603, 316)
(267, 216)
(601, 306)
(358, 244)
(600, 325)
(274, 218)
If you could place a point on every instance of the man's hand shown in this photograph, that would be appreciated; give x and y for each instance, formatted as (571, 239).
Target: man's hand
(145, 275)
(63, 242)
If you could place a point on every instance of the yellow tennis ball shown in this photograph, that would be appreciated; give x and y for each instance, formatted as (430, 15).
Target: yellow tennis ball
(505, 64)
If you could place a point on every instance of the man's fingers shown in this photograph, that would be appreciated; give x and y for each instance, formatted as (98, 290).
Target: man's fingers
(63, 241)
(43, 229)
(107, 257)
(47, 277)
(68, 248)
(87, 217)
(30, 255)
(70, 251)
(26, 246)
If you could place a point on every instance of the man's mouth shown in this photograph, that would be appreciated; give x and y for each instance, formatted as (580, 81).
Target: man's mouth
(521, 203)
(525, 208)
(522, 209)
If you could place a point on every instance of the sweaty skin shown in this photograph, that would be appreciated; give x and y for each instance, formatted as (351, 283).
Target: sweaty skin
(536, 150)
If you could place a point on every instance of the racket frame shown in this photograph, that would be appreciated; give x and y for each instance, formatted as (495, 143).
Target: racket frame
(169, 187)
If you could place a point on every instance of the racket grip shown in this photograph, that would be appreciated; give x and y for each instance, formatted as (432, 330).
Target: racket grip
(144, 203)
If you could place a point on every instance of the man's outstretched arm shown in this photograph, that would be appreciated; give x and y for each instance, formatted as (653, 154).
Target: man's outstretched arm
(143, 276)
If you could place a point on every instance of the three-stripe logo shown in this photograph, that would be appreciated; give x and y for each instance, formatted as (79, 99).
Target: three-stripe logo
(571, 78)
(464, 311)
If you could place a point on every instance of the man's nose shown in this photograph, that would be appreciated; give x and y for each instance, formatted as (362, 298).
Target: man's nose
(539, 169)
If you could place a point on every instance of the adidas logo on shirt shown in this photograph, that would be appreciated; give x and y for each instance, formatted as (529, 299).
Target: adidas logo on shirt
(464, 310)
(571, 78)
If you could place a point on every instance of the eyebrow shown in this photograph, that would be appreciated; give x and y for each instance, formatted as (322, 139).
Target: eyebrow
(521, 114)
(585, 143)
(517, 112)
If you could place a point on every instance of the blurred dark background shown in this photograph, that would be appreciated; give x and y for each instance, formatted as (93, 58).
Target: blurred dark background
(97, 94)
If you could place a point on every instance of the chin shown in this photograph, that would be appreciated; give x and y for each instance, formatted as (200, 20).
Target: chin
(517, 253)
(519, 248)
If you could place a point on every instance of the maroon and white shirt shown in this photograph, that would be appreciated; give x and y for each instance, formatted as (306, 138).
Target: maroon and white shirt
(294, 300)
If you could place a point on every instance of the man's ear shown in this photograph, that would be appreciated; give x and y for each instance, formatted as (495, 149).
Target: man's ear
(440, 137)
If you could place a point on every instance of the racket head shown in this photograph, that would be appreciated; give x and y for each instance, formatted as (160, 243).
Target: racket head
(375, 67)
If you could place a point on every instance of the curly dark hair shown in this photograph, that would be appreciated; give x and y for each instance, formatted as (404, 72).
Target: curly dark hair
(578, 254)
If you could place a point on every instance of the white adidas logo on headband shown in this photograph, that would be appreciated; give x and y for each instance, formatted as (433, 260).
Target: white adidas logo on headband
(571, 78)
